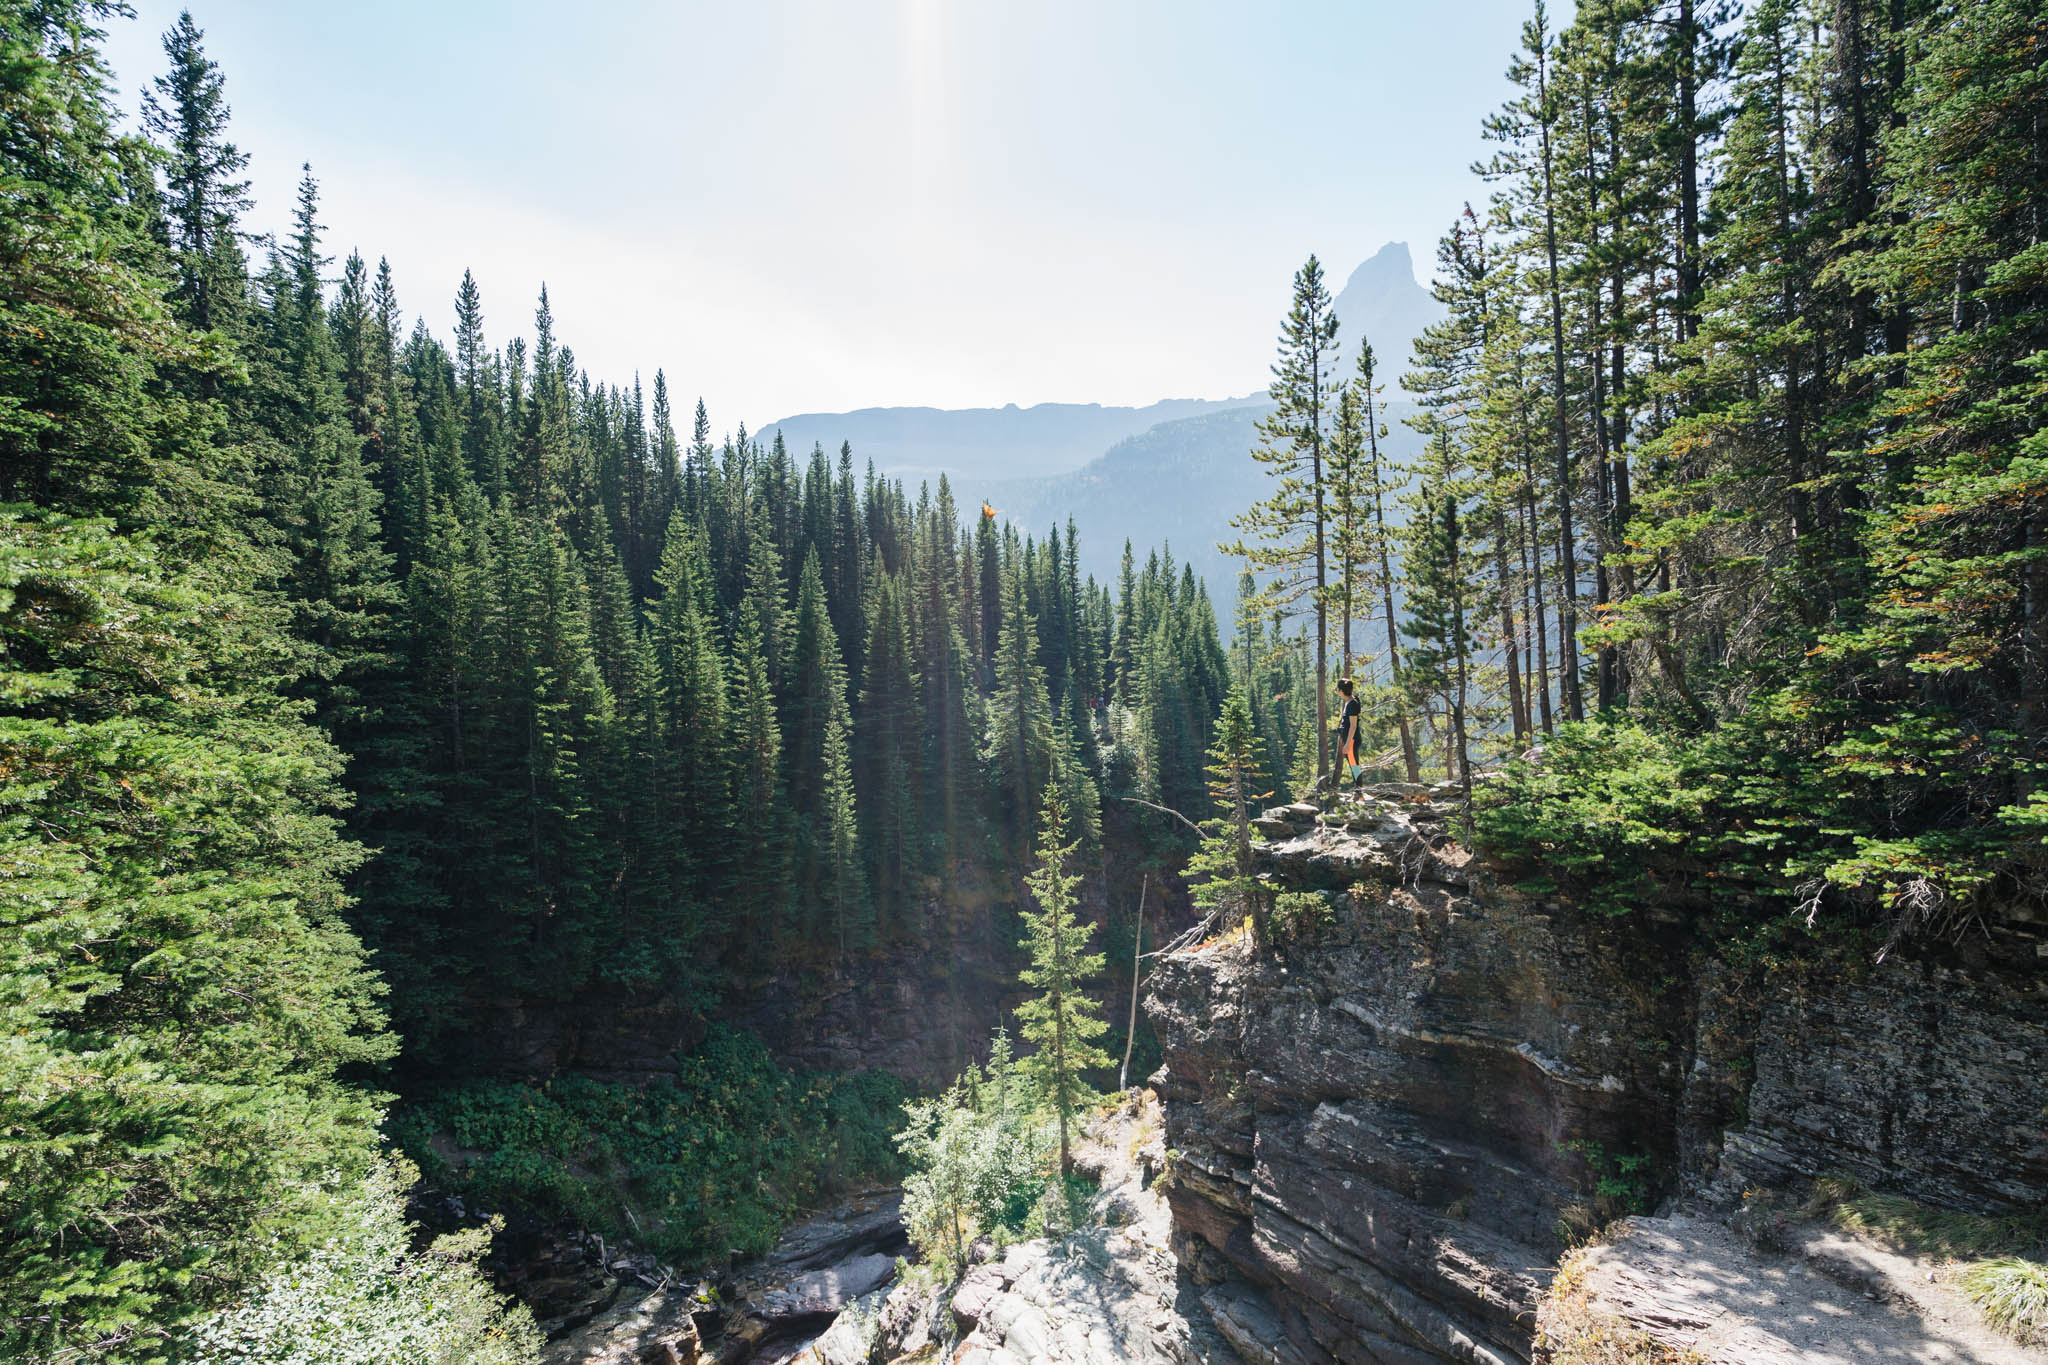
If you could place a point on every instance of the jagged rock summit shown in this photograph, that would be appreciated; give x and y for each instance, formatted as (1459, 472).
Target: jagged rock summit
(1385, 303)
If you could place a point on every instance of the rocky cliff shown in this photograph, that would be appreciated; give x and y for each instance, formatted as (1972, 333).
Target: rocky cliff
(1390, 1125)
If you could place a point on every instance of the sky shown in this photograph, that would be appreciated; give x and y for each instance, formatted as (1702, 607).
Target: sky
(819, 205)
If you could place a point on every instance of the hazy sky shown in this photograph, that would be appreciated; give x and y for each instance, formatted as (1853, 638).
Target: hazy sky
(798, 206)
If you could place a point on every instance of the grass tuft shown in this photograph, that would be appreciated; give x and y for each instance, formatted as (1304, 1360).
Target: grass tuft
(2012, 1293)
(2006, 1278)
(1912, 1227)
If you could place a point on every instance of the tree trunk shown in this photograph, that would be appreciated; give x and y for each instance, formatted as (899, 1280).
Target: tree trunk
(1518, 704)
(1123, 1076)
(1411, 761)
(1568, 588)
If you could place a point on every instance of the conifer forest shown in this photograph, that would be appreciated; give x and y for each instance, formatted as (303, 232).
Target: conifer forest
(357, 679)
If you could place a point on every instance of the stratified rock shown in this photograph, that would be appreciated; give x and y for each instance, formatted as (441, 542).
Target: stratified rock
(1387, 1130)
(867, 1225)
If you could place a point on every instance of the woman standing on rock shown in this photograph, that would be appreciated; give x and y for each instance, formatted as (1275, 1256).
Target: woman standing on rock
(1347, 734)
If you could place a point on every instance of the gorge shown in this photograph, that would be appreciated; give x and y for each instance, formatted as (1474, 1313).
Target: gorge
(1379, 1140)
(1548, 802)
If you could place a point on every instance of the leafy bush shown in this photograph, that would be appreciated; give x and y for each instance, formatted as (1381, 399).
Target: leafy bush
(979, 1159)
(366, 1295)
(717, 1159)
(1619, 1182)
(1603, 802)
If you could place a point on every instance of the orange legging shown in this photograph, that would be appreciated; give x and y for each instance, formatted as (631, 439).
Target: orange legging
(1350, 745)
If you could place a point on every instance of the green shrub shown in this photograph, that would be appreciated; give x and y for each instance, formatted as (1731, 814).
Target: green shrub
(1604, 803)
(1620, 1181)
(978, 1157)
(716, 1159)
(366, 1295)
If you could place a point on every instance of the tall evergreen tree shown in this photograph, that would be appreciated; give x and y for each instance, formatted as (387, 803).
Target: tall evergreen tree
(1285, 533)
(1062, 1022)
(186, 110)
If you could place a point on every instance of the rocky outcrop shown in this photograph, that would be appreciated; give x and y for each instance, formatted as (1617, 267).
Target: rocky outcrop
(765, 1310)
(1389, 1124)
(649, 1328)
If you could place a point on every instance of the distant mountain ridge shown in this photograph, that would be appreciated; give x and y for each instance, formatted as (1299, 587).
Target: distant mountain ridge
(1048, 438)
(1175, 471)
(1178, 483)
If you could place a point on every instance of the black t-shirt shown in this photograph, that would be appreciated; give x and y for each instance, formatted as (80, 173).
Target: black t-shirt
(1347, 725)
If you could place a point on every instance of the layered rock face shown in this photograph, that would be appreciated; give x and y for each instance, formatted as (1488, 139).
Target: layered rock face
(1389, 1124)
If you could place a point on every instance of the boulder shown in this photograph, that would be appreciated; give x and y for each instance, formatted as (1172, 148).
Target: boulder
(819, 1292)
(651, 1329)
(977, 1291)
(1397, 791)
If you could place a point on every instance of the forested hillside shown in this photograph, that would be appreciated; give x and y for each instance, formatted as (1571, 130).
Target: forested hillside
(358, 675)
(355, 680)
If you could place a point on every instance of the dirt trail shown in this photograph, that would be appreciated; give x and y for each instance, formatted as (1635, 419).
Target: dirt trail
(1691, 1284)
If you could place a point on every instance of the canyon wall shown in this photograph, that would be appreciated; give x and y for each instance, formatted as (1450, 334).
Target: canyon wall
(1389, 1124)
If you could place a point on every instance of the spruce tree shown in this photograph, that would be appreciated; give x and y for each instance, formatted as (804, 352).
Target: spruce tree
(888, 763)
(1019, 744)
(1440, 591)
(1062, 1022)
(1221, 872)
(184, 994)
(186, 111)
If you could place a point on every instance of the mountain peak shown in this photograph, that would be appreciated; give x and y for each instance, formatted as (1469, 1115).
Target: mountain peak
(1383, 302)
(1388, 259)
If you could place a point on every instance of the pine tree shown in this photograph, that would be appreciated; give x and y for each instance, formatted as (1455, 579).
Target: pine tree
(888, 764)
(1062, 1022)
(813, 709)
(184, 995)
(1019, 743)
(759, 881)
(1285, 534)
(1537, 112)
(1221, 872)
(1439, 596)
